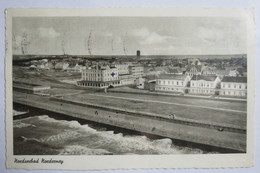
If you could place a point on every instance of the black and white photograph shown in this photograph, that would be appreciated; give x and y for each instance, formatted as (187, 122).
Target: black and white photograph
(128, 85)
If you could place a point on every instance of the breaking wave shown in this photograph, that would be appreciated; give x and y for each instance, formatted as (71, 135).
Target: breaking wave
(81, 150)
(19, 112)
(72, 138)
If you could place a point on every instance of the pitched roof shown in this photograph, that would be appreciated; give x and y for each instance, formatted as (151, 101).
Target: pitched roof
(234, 79)
(204, 77)
(174, 70)
(150, 77)
(198, 67)
(172, 76)
(217, 72)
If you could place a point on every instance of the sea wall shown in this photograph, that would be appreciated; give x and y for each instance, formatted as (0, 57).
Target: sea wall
(146, 124)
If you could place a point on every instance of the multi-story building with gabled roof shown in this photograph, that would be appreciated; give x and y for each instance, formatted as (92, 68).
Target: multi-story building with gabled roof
(194, 70)
(233, 86)
(172, 83)
(204, 84)
(101, 77)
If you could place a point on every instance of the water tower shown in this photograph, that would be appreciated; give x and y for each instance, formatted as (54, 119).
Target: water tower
(138, 53)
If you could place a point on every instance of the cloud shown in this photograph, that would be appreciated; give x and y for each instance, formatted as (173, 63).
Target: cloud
(211, 35)
(147, 37)
(143, 32)
(154, 38)
(48, 32)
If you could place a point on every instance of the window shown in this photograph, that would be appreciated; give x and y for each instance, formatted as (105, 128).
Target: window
(240, 86)
(228, 85)
(177, 83)
(235, 85)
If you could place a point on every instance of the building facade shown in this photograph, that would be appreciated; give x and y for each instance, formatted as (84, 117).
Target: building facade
(126, 79)
(122, 68)
(172, 83)
(233, 86)
(220, 73)
(136, 71)
(99, 77)
(204, 84)
(194, 70)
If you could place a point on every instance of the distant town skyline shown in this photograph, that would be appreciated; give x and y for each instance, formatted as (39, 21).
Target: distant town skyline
(126, 35)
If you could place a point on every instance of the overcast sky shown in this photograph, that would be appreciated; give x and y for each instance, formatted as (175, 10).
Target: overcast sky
(125, 35)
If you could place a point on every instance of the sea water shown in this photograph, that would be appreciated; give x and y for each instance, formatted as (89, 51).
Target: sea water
(43, 135)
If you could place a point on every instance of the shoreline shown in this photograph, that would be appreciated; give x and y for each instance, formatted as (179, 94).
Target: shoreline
(96, 125)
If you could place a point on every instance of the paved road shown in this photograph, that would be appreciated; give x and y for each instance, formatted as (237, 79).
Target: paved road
(170, 103)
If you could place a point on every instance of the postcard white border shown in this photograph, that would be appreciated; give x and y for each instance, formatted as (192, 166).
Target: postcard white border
(137, 161)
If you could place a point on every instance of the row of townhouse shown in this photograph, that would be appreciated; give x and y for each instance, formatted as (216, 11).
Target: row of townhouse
(202, 84)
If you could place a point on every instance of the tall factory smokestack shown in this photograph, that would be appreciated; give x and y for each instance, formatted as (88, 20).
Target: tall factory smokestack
(138, 53)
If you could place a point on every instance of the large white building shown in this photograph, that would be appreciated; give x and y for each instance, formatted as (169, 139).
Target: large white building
(136, 71)
(202, 84)
(233, 86)
(172, 83)
(99, 77)
(122, 68)
(126, 79)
